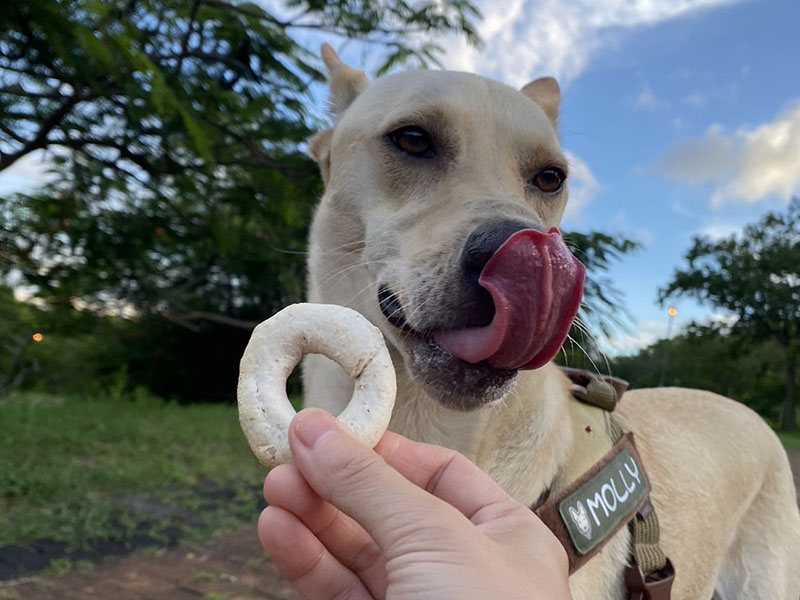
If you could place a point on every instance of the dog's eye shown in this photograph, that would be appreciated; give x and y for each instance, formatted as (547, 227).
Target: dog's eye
(549, 181)
(414, 141)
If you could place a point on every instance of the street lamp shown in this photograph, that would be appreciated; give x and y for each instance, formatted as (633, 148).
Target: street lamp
(671, 312)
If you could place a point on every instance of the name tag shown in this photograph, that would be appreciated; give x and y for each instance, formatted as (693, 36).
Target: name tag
(596, 508)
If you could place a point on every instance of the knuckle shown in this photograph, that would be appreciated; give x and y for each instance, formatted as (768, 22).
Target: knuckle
(347, 591)
(365, 557)
(433, 483)
(306, 569)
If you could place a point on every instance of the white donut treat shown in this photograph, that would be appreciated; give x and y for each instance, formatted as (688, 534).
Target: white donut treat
(276, 347)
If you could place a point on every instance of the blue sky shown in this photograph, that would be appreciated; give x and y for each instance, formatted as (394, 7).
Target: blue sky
(681, 117)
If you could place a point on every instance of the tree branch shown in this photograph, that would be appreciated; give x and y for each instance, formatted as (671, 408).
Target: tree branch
(263, 160)
(262, 16)
(198, 315)
(11, 134)
(206, 56)
(185, 42)
(18, 90)
(40, 141)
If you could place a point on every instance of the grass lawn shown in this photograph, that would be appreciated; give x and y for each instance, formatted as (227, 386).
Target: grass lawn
(71, 467)
(76, 469)
(790, 440)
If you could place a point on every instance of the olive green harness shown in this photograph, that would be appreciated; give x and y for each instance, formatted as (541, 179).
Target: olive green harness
(602, 488)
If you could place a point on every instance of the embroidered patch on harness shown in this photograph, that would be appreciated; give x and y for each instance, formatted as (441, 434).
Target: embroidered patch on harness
(594, 510)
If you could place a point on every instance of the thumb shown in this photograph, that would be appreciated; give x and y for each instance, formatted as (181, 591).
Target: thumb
(356, 480)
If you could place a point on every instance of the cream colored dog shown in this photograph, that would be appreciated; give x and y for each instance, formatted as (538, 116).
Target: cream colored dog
(416, 164)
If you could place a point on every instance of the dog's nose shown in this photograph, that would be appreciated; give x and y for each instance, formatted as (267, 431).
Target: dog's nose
(478, 249)
(484, 242)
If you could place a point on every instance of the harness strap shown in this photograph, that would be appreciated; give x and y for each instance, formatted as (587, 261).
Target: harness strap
(650, 574)
(603, 391)
(590, 510)
(646, 533)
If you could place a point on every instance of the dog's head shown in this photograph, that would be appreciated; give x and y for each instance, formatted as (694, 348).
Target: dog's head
(443, 194)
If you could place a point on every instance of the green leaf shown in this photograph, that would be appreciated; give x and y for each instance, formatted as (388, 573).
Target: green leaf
(95, 47)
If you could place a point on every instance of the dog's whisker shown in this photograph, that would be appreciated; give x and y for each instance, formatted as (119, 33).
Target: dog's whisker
(566, 356)
(586, 354)
(284, 251)
(585, 330)
(416, 310)
(329, 251)
(397, 311)
(594, 340)
(341, 248)
(331, 276)
(355, 296)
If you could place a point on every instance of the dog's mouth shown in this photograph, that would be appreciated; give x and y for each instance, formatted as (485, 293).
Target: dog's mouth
(535, 285)
(454, 382)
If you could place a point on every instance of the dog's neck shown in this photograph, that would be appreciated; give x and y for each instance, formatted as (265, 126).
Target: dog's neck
(416, 415)
(521, 441)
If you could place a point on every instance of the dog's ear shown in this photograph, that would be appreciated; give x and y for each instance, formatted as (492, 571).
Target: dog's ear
(319, 148)
(346, 82)
(546, 93)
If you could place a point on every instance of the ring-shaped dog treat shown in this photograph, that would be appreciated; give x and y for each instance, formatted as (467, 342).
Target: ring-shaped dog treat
(276, 347)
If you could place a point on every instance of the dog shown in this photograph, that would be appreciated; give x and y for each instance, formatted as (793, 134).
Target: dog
(426, 175)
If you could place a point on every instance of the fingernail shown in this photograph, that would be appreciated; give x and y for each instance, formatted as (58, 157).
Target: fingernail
(311, 425)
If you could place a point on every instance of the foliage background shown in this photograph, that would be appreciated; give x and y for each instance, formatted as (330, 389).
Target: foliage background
(181, 198)
(182, 193)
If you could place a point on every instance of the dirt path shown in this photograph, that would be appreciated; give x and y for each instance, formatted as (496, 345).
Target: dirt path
(230, 567)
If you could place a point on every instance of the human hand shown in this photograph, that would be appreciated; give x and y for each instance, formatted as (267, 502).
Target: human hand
(408, 520)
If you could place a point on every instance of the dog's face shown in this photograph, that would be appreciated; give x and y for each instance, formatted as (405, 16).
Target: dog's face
(427, 175)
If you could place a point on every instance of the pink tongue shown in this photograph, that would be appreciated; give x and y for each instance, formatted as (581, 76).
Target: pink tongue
(537, 286)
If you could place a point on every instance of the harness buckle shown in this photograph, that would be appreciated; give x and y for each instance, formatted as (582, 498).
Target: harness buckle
(656, 586)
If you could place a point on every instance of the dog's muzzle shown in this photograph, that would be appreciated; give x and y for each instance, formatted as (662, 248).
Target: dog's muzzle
(391, 308)
(536, 287)
(516, 295)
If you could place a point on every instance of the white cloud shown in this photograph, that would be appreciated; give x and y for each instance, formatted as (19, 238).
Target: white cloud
(525, 38)
(582, 187)
(642, 335)
(718, 231)
(747, 165)
(646, 100)
(696, 100)
(708, 91)
(620, 222)
(681, 209)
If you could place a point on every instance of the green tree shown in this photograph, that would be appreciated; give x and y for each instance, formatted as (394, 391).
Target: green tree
(603, 308)
(177, 129)
(755, 276)
(711, 357)
(183, 194)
